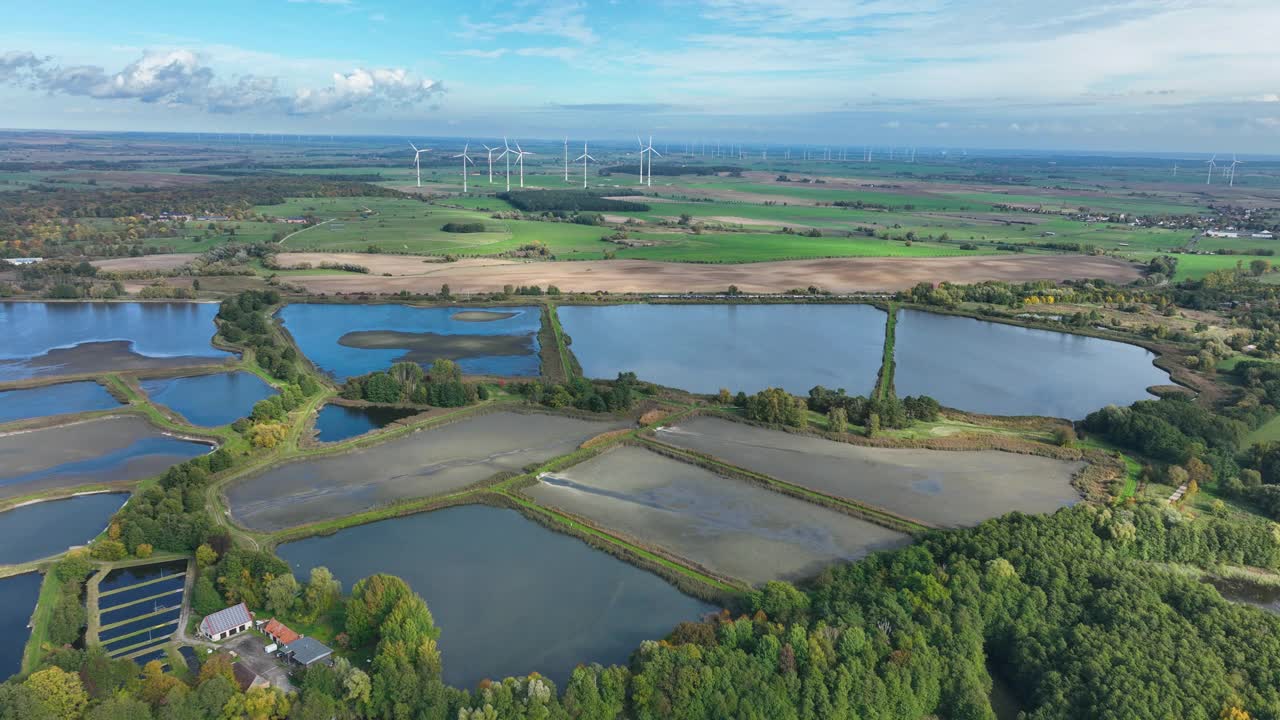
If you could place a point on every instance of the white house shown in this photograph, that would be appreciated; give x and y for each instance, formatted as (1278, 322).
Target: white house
(225, 623)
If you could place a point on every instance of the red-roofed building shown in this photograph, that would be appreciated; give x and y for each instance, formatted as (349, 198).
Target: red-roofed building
(279, 632)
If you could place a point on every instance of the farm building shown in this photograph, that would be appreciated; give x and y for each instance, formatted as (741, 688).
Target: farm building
(279, 632)
(304, 652)
(23, 261)
(227, 622)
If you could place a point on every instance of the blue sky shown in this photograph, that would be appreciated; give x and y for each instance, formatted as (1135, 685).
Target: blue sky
(1171, 75)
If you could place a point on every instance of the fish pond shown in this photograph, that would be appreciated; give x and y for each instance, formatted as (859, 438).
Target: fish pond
(941, 487)
(17, 601)
(347, 340)
(1000, 369)
(31, 532)
(82, 337)
(1266, 597)
(60, 399)
(702, 348)
(732, 527)
(419, 464)
(510, 596)
(336, 422)
(209, 400)
(112, 449)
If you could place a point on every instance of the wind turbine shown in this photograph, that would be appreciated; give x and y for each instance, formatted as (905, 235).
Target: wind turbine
(520, 161)
(506, 153)
(643, 150)
(417, 162)
(566, 158)
(1234, 163)
(584, 157)
(465, 159)
(486, 147)
(651, 152)
(1209, 180)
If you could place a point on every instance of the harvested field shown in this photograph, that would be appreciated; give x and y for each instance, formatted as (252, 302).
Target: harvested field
(146, 262)
(418, 465)
(946, 488)
(112, 449)
(385, 263)
(729, 526)
(839, 275)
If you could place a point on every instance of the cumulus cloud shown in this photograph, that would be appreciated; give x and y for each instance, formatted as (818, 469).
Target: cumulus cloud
(180, 78)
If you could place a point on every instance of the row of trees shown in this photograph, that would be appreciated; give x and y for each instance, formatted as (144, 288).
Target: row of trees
(778, 407)
(616, 396)
(406, 382)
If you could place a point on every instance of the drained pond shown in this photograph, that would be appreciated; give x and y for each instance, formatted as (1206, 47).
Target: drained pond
(338, 422)
(419, 464)
(31, 532)
(105, 450)
(82, 337)
(941, 487)
(999, 369)
(510, 597)
(347, 340)
(732, 527)
(702, 348)
(17, 601)
(209, 400)
(60, 399)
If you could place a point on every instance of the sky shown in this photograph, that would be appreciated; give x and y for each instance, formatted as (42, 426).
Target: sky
(1139, 75)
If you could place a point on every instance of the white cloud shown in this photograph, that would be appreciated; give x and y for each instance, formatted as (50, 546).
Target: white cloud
(560, 19)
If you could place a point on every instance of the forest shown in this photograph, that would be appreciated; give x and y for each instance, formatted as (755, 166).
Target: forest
(568, 201)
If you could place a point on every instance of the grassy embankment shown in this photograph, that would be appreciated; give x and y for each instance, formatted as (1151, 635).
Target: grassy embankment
(884, 379)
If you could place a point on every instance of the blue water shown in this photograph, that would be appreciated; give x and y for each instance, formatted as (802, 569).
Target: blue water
(124, 577)
(140, 624)
(168, 598)
(510, 596)
(702, 348)
(115, 600)
(209, 400)
(339, 422)
(158, 445)
(152, 638)
(31, 532)
(17, 600)
(158, 654)
(72, 397)
(316, 329)
(166, 329)
(1000, 369)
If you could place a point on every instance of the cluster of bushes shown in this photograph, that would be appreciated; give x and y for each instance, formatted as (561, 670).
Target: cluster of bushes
(463, 227)
(618, 395)
(405, 382)
(778, 407)
(1172, 429)
(68, 616)
(346, 267)
(243, 322)
(568, 201)
(170, 515)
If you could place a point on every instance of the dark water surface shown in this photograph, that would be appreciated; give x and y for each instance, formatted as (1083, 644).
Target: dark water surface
(339, 422)
(702, 348)
(1266, 597)
(60, 399)
(999, 369)
(510, 596)
(35, 531)
(152, 330)
(317, 328)
(17, 600)
(209, 400)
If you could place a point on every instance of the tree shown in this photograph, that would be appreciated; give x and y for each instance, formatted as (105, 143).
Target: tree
(1259, 267)
(873, 425)
(282, 593)
(109, 550)
(60, 691)
(268, 435)
(445, 294)
(156, 684)
(322, 593)
(121, 707)
(837, 420)
(380, 387)
(204, 596)
(143, 550)
(724, 397)
(206, 556)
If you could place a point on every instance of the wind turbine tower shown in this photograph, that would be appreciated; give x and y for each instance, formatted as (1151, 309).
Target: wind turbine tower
(520, 161)
(642, 153)
(417, 162)
(1209, 180)
(651, 152)
(1234, 163)
(506, 153)
(486, 147)
(584, 157)
(566, 158)
(465, 159)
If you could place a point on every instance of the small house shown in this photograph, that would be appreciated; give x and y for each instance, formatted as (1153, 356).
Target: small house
(304, 652)
(227, 622)
(279, 632)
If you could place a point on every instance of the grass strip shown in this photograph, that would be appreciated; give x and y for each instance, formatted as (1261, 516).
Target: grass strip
(567, 361)
(884, 380)
(43, 612)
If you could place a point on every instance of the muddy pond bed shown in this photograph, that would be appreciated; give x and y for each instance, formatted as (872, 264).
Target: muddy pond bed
(1000, 369)
(730, 526)
(59, 338)
(347, 340)
(702, 348)
(419, 464)
(510, 596)
(945, 488)
(1266, 597)
(31, 532)
(111, 449)
(209, 400)
(60, 399)
(337, 422)
(17, 601)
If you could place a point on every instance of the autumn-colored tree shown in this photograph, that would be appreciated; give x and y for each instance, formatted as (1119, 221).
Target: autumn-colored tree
(215, 665)
(1235, 713)
(143, 550)
(268, 435)
(724, 397)
(206, 556)
(156, 684)
(60, 691)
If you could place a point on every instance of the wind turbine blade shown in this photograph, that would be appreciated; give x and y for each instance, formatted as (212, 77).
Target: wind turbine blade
(415, 147)
(590, 158)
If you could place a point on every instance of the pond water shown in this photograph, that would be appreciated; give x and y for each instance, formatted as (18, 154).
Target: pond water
(338, 422)
(1266, 597)
(999, 369)
(347, 340)
(209, 400)
(510, 597)
(72, 397)
(43, 338)
(702, 348)
(17, 600)
(111, 449)
(35, 531)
